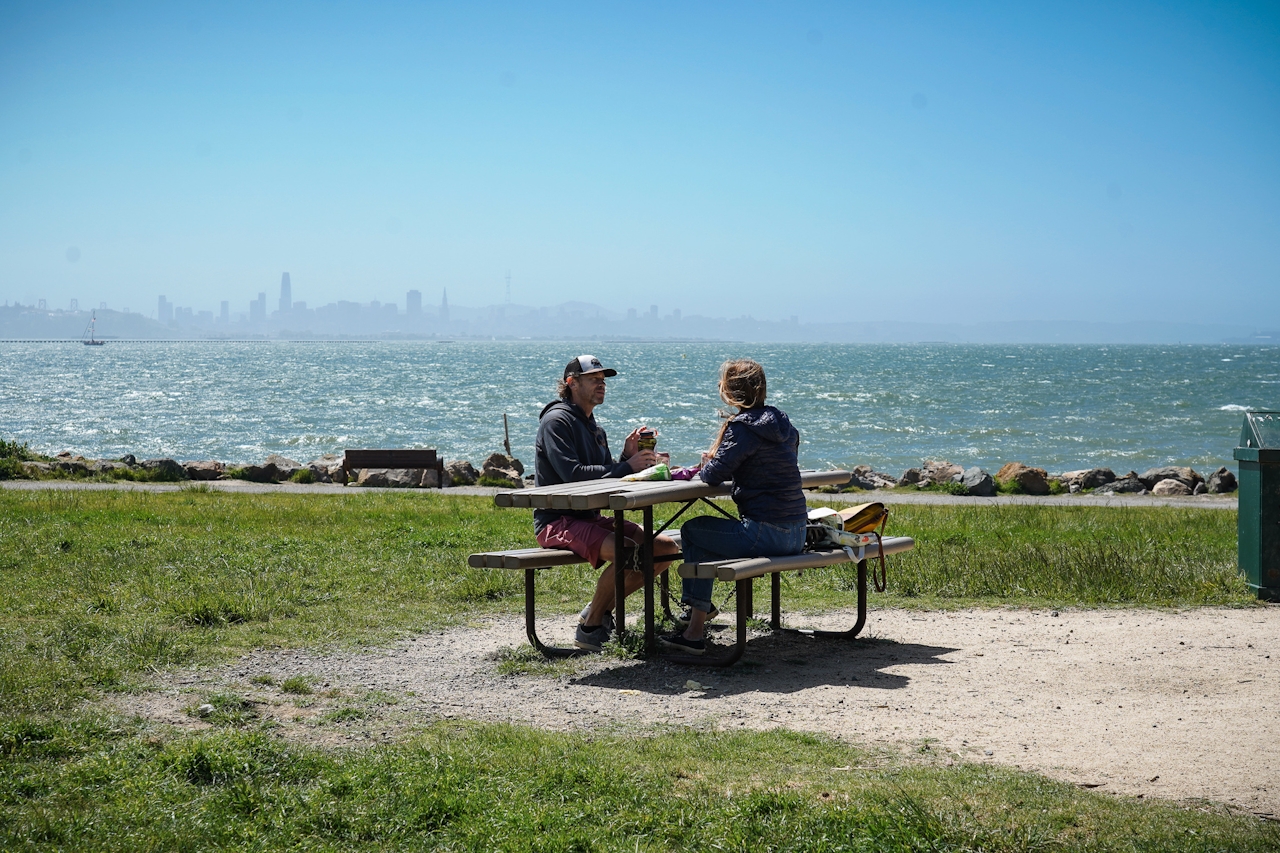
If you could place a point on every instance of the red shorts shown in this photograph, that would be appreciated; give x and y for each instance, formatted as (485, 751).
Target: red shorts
(584, 536)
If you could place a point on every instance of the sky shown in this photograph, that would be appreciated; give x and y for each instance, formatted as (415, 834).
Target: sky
(935, 162)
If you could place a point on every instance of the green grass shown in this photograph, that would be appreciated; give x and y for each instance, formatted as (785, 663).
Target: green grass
(87, 785)
(104, 588)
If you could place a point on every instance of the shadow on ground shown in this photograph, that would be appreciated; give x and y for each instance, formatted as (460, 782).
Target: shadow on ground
(780, 663)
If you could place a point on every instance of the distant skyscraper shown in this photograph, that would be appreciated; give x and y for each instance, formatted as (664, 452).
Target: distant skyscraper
(286, 294)
(653, 311)
(225, 315)
(164, 310)
(444, 306)
(258, 309)
(413, 303)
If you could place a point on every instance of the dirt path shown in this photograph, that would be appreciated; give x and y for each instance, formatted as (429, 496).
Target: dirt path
(1146, 703)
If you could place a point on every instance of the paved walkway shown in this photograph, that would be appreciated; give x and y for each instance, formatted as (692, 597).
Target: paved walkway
(894, 497)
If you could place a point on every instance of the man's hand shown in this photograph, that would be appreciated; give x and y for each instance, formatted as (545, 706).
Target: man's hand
(642, 459)
(632, 443)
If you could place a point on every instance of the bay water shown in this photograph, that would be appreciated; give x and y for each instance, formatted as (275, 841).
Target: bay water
(890, 406)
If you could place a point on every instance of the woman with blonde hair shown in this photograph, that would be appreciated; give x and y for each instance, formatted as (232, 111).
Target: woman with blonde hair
(756, 448)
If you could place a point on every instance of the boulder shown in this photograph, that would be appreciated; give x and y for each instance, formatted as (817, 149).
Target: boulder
(1087, 478)
(280, 468)
(978, 482)
(430, 479)
(206, 470)
(1032, 481)
(76, 467)
(373, 477)
(328, 469)
(934, 471)
(1170, 488)
(166, 469)
(129, 459)
(106, 466)
(460, 472)
(36, 469)
(864, 477)
(503, 469)
(1221, 482)
(1128, 484)
(258, 474)
(1185, 476)
(1199, 489)
(910, 477)
(501, 460)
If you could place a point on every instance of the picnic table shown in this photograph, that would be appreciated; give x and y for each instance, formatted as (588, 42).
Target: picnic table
(619, 497)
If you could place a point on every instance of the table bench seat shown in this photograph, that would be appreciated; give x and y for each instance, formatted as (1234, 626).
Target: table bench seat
(754, 567)
(534, 558)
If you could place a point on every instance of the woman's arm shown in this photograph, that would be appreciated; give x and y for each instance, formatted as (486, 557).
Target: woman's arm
(737, 444)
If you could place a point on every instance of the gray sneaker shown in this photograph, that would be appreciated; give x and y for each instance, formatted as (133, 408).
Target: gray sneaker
(591, 640)
(606, 621)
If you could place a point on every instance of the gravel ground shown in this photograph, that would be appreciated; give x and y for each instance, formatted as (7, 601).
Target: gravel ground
(1145, 703)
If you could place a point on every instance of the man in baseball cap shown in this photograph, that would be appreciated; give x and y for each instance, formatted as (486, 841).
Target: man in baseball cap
(572, 447)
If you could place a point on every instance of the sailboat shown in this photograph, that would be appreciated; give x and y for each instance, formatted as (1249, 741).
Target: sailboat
(89, 339)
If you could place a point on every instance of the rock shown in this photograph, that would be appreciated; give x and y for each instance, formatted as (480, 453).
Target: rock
(75, 467)
(864, 477)
(280, 468)
(328, 469)
(939, 472)
(1221, 482)
(36, 469)
(504, 469)
(1170, 488)
(910, 477)
(1032, 481)
(129, 459)
(258, 474)
(1087, 478)
(106, 466)
(205, 710)
(404, 478)
(1185, 476)
(1199, 489)
(207, 470)
(430, 479)
(166, 469)
(373, 477)
(501, 460)
(978, 482)
(460, 472)
(1128, 484)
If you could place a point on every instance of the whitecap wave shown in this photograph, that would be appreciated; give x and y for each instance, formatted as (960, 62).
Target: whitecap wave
(1232, 407)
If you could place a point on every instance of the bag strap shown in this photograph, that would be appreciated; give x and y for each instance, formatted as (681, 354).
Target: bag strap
(881, 582)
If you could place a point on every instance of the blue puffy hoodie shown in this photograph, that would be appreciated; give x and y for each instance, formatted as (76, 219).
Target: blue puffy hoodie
(758, 452)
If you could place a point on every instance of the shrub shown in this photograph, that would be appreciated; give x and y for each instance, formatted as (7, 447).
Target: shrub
(303, 475)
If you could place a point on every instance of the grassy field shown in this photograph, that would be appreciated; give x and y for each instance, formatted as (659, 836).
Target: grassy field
(103, 588)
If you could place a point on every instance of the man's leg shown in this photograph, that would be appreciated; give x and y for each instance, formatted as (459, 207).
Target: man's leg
(605, 598)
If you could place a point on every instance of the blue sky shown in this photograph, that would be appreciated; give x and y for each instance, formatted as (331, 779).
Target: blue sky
(909, 161)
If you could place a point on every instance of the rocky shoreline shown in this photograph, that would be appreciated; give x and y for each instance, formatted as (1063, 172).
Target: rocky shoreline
(504, 471)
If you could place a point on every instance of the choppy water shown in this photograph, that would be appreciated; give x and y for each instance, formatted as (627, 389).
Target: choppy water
(1060, 407)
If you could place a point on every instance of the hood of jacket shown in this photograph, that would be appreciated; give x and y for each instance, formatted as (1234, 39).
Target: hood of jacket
(768, 424)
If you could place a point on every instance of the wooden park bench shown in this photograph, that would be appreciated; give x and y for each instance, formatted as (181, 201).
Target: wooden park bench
(354, 460)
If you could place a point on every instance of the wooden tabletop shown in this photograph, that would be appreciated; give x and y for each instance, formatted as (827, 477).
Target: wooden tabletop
(615, 494)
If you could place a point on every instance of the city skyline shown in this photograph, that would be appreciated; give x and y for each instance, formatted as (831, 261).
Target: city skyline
(946, 163)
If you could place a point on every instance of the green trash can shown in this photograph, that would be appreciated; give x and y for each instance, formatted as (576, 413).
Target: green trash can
(1259, 503)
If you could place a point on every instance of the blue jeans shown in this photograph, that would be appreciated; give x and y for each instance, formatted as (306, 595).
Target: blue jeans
(710, 537)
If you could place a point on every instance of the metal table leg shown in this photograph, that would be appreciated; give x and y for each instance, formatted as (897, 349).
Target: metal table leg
(530, 622)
